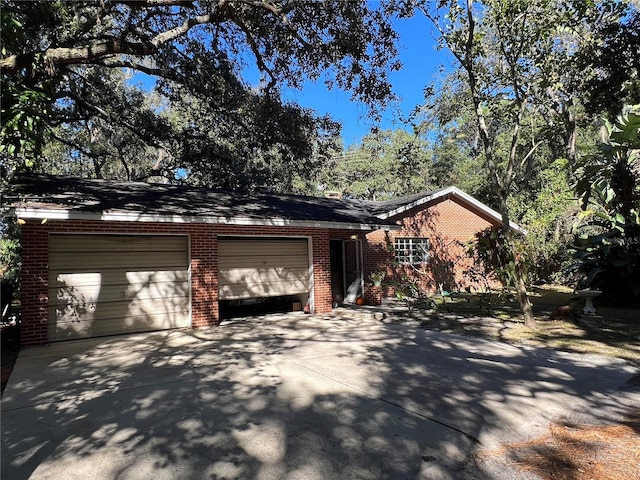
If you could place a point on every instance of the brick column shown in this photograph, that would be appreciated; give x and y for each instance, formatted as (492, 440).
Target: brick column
(204, 281)
(34, 296)
(321, 272)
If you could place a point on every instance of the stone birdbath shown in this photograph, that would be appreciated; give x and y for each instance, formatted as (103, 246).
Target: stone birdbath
(588, 296)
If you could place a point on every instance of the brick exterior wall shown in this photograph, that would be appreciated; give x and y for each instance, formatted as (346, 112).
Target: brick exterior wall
(447, 223)
(203, 255)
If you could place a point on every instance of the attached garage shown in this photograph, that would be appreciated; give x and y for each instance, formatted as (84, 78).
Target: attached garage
(103, 257)
(250, 267)
(111, 284)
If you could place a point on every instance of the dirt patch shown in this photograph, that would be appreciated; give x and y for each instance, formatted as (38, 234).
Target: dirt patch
(599, 336)
(579, 452)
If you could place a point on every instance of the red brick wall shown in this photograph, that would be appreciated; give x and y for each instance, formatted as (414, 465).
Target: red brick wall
(321, 272)
(204, 266)
(33, 281)
(447, 222)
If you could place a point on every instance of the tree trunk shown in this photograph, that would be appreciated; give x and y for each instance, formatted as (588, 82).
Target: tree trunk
(501, 178)
(521, 287)
(73, 55)
(523, 300)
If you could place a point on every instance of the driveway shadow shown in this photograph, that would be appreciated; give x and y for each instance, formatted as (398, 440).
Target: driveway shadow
(289, 397)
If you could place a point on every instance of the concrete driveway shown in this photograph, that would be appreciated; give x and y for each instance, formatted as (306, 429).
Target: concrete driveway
(292, 397)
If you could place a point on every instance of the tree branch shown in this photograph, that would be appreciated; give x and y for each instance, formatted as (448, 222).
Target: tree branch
(124, 164)
(271, 7)
(183, 29)
(282, 13)
(84, 151)
(93, 54)
(256, 52)
(531, 151)
(117, 120)
(156, 72)
(156, 3)
(74, 55)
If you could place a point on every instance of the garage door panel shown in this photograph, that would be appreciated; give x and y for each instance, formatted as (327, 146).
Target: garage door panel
(80, 295)
(130, 278)
(90, 311)
(159, 276)
(96, 289)
(262, 267)
(69, 327)
(246, 247)
(254, 290)
(226, 263)
(83, 261)
(257, 275)
(116, 243)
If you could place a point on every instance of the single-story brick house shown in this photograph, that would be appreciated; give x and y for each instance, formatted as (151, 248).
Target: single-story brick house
(104, 257)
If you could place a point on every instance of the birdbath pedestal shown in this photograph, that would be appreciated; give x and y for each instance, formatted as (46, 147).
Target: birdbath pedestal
(588, 296)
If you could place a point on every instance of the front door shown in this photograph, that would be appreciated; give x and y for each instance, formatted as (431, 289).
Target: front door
(347, 282)
(353, 280)
(336, 252)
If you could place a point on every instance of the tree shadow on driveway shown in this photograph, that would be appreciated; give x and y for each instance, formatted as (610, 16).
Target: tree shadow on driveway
(289, 397)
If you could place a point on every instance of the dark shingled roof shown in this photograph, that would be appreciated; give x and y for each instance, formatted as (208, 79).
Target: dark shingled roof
(91, 196)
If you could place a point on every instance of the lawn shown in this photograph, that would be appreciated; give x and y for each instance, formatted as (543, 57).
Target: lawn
(612, 331)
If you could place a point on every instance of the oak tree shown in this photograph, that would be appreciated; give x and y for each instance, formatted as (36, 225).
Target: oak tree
(62, 66)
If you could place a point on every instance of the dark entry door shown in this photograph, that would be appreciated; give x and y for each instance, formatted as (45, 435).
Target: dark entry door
(353, 281)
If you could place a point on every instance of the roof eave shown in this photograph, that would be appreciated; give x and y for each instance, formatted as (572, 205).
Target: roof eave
(459, 193)
(417, 203)
(66, 214)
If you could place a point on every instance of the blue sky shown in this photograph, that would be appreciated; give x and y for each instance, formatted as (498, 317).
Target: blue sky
(421, 65)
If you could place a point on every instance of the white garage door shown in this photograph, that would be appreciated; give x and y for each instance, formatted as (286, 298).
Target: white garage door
(262, 267)
(110, 284)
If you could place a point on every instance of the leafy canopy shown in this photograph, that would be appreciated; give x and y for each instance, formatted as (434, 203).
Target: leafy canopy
(62, 80)
(608, 245)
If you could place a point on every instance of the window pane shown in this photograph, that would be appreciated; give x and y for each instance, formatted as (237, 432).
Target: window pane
(412, 250)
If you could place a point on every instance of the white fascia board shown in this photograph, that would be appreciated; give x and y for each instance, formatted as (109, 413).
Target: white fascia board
(55, 214)
(416, 203)
(489, 211)
(460, 194)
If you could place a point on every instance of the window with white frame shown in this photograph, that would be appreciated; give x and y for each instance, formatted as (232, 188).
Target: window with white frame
(412, 251)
